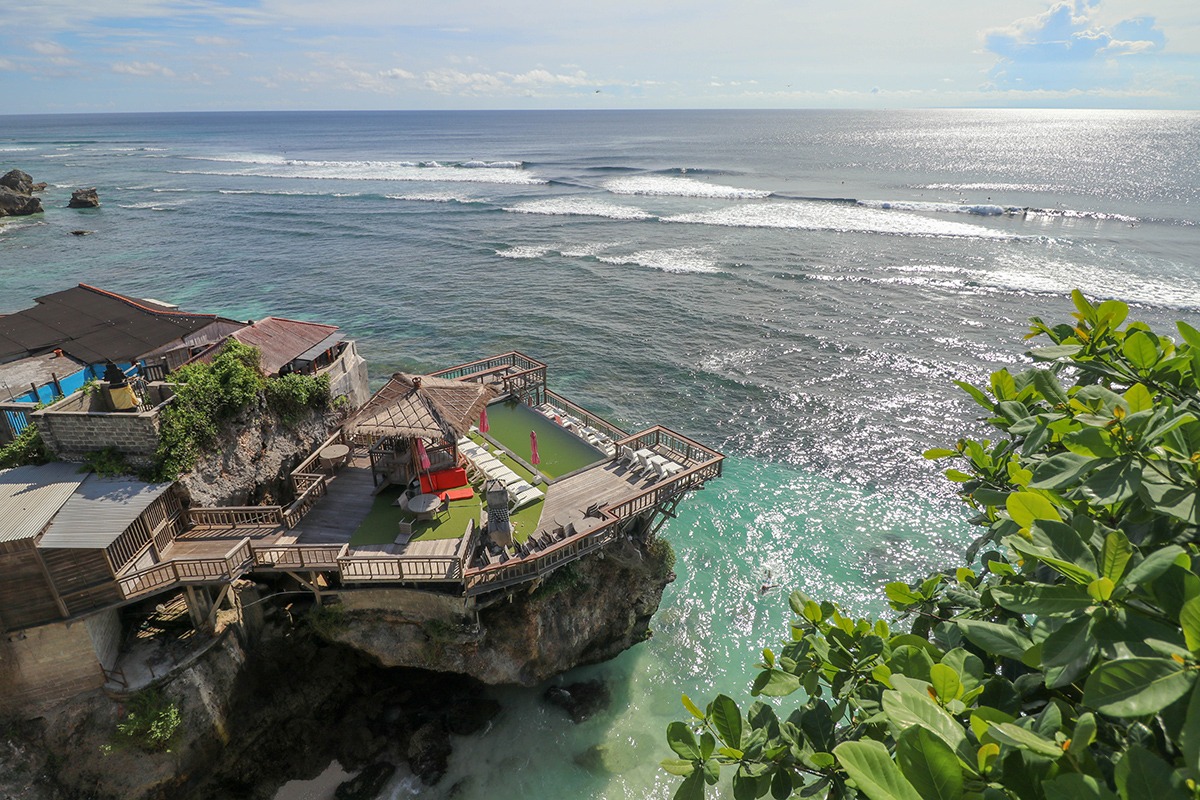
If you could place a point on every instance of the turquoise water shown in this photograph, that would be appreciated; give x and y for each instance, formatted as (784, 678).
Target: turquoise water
(560, 451)
(797, 289)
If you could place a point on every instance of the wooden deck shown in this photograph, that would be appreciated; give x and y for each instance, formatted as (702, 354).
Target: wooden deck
(568, 499)
(337, 515)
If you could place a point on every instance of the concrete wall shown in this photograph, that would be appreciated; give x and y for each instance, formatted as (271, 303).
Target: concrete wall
(348, 377)
(47, 664)
(72, 434)
(105, 630)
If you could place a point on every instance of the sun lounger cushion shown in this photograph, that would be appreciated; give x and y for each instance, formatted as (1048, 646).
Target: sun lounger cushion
(463, 493)
(444, 479)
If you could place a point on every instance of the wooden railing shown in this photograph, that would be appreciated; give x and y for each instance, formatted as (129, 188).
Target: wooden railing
(500, 576)
(674, 446)
(487, 366)
(311, 468)
(291, 516)
(588, 418)
(399, 569)
(322, 557)
(179, 571)
(233, 516)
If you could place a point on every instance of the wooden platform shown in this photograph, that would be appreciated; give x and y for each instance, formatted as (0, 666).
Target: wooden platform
(337, 515)
(568, 499)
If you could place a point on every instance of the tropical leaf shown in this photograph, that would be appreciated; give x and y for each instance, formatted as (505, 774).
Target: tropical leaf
(1141, 775)
(991, 637)
(1015, 736)
(871, 767)
(727, 719)
(930, 765)
(1025, 507)
(1042, 599)
(1115, 555)
(683, 741)
(1136, 687)
(1141, 349)
(907, 710)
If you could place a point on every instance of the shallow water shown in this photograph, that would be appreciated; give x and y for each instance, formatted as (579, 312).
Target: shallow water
(798, 289)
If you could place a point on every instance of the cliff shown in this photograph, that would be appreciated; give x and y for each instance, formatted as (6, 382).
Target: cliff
(586, 612)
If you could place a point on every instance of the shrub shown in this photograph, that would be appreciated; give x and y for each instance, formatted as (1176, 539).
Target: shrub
(292, 396)
(1062, 660)
(108, 462)
(27, 448)
(151, 722)
(662, 556)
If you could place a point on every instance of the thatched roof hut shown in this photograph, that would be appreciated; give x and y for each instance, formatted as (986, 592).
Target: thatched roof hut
(421, 407)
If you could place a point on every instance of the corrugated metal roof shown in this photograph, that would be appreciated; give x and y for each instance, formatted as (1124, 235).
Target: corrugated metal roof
(94, 325)
(281, 341)
(99, 511)
(31, 496)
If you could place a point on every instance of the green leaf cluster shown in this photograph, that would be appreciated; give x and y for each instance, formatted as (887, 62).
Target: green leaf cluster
(1060, 661)
(151, 722)
(27, 447)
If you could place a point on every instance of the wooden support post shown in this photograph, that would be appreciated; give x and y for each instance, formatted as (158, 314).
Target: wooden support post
(210, 622)
(312, 587)
(193, 607)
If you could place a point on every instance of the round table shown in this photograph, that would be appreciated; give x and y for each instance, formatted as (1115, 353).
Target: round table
(423, 505)
(335, 454)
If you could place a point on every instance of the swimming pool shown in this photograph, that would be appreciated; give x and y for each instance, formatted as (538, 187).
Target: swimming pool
(561, 451)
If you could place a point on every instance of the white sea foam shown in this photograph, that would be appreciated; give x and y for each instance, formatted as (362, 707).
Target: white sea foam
(523, 251)
(153, 206)
(979, 209)
(667, 186)
(270, 193)
(989, 187)
(679, 260)
(15, 149)
(434, 197)
(1068, 213)
(378, 171)
(588, 250)
(580, 207)
(838, 217)
(492, 164)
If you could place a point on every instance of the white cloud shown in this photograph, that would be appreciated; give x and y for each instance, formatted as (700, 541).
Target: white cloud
(142, 69)
(397, 74)
(215, 41)
(47, 48)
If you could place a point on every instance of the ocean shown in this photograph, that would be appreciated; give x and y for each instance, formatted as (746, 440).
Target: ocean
(796, 288)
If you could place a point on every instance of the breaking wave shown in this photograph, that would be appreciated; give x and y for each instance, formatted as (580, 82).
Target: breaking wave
(580, 207)
(668, 186)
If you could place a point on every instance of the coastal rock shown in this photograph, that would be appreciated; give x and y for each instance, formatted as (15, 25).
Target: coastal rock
(15, 204)
(429, 752)
(470, 715)
(82, 233)
(367, 784)
(580, 700)
(585, 613)
(20, 182)
(607, 759)
(84, 198)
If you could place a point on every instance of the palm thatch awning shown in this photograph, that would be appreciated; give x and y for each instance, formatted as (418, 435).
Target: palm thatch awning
(415, 406)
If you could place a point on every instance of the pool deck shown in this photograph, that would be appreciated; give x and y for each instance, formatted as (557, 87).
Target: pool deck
(582, 511)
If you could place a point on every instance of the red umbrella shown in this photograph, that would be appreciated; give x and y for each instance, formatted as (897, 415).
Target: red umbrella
(422, 455)
(534, 458)
(483, 421)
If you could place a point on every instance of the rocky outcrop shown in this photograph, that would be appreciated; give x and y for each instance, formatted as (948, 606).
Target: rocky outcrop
(16, 195)
(255, 457)
(84, 198)
(585, 613)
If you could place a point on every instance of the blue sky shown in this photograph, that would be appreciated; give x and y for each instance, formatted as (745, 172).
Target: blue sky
(138, 55)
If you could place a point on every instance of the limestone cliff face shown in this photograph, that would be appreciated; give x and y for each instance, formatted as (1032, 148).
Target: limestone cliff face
(256, 453)
(587, 612)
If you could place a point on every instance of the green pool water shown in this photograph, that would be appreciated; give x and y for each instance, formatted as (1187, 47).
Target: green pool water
(561, 451)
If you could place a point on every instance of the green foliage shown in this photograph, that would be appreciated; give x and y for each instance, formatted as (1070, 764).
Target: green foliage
(26, 448)
(107, 463)
(562, 579)
(325, 621)
(151, 722)
(292, 396)
(662, 556)
(1061, 661)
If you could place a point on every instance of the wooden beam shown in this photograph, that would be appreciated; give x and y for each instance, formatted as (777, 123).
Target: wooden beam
(210, 623)
(58, 601)
(193, 607)
(312, 587)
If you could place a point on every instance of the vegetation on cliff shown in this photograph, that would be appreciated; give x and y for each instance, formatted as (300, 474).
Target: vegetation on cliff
(26, 448)
(1061, 660)
(207, 395)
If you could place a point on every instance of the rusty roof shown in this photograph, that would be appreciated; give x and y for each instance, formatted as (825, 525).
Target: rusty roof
(281, 341)
(31, 496)
(413, 406)
(95, 325)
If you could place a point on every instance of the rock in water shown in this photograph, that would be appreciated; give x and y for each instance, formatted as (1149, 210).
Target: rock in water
(16, 195)
(20, 182)
(367, 784)
(580, 700)
(81, 233)
(84, 198)
(429, 752)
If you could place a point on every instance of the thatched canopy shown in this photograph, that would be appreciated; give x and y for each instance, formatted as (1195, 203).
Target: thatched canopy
(415, 406)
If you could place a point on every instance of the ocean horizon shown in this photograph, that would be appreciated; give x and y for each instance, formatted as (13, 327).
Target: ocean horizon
(798, 289)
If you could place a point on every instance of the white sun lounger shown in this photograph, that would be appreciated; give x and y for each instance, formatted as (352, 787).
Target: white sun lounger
(530, 495)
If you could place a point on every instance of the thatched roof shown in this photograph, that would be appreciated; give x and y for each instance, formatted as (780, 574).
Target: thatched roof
(415, 406)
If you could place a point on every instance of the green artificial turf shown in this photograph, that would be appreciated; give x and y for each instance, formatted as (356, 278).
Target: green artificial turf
(380, 526)
(524, 521)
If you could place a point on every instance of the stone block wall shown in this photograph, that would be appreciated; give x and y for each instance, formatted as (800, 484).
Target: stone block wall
(74, 434)
(47, 664)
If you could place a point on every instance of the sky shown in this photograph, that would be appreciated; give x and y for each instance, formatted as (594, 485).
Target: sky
(190, 55)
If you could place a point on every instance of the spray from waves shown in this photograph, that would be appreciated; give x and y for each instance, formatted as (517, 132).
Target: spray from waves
(668, 186)
(989, 187)
(838, 218)
(580, 207)
(526, 251)
(276, 193)
(677, 260)
(980, 209)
